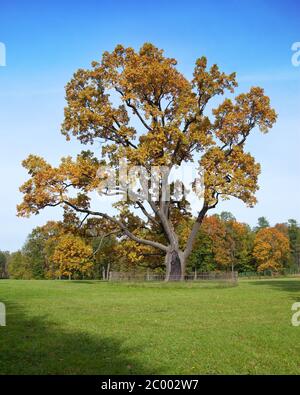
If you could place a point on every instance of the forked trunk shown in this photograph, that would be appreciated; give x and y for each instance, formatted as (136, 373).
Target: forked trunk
(175, 266)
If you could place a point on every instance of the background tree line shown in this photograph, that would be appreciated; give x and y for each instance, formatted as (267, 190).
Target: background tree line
(66, 249)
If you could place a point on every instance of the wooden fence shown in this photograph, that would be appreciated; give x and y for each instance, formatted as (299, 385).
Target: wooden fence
(269, 274)
(150, 276)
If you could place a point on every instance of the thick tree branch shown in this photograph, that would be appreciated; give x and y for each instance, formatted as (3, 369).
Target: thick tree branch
(195, 229)
(119, 224)
(145, 212)
(102, 238)
(135, 110)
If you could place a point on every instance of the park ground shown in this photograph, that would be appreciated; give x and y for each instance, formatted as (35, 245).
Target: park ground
(93, 327)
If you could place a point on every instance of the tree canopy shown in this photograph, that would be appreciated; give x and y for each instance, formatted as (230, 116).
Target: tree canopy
(139, 106)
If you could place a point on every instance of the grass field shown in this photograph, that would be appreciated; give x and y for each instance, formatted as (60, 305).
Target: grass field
(70, 327)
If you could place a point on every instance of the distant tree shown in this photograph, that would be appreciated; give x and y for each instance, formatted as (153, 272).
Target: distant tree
(135, 256)
(3, 264)
(202, 257)
(104, 255)
(283, 228)
(227, 216)
(294, 237)
(223, 243)
(35, 254)
(262, 223)
(19, 266)
(72, 256)
(240, 239)
(231, 243)
(271, 249)
(39, 248)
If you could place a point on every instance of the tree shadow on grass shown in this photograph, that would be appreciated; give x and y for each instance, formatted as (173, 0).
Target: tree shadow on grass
(36, 346)
(289, 286)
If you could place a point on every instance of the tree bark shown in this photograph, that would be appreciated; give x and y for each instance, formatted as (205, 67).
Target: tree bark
(107, 271)
(195, 230)
(175, 265)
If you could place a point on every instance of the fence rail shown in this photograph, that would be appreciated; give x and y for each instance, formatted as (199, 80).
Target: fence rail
(148, 276)
(269, 273)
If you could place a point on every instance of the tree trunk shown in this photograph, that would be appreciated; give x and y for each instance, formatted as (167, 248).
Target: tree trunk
(107, 271)
(175, 265)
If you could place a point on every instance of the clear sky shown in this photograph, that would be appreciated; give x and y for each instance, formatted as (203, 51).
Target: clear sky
(47, 41)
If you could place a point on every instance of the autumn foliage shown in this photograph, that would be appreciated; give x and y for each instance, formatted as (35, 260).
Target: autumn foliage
(139, 106)
(271, 249)
(72, 255)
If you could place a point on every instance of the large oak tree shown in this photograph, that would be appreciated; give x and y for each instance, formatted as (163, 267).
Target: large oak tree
(172, 126)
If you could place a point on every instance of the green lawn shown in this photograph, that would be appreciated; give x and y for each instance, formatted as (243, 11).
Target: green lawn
(72, 327)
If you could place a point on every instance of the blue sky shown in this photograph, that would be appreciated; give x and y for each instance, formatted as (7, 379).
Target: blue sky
(47, 41)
